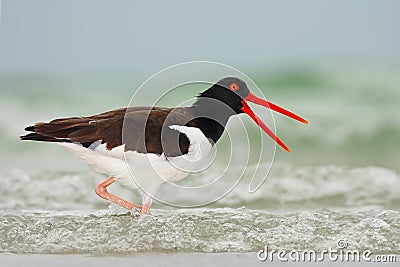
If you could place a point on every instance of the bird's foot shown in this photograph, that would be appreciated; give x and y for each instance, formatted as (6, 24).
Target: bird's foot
(135, 212)
(101, 191)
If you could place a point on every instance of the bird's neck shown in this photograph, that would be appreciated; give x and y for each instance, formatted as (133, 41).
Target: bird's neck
(211, 117)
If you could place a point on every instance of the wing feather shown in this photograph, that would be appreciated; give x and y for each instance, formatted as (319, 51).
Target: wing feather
(140, 129)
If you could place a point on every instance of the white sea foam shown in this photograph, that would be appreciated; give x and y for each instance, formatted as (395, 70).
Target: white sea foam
(285, 187)
(200, 230)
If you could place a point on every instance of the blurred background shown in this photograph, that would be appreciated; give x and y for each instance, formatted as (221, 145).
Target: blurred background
(336, 63)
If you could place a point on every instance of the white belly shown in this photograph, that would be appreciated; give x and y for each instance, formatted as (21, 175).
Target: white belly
(146, 172)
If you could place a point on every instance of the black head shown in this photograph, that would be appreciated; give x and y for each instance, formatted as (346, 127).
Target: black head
(230, 96)
(230, 91)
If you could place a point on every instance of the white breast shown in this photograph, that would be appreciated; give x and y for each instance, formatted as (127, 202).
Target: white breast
(199, 148)
(145, 171)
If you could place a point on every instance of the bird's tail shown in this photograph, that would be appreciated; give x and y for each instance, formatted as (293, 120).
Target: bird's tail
(36, 136)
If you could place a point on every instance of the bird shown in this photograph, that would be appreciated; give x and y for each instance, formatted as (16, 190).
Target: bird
(152, 139)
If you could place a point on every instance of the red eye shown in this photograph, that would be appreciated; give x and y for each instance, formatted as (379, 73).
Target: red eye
(234, 87)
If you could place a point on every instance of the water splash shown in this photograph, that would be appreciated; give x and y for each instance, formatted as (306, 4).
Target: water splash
(197, 230)
(286, 188)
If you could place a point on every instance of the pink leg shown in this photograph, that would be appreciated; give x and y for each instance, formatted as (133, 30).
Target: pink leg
(147, 200)
(101, 191)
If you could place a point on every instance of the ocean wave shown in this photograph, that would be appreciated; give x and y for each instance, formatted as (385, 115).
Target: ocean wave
(352, 110)
(285, 187)
(201, 230)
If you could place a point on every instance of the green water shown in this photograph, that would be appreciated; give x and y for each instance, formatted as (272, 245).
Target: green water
(340, 181)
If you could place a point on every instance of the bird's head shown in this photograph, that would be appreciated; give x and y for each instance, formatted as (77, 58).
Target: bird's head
(232, 92)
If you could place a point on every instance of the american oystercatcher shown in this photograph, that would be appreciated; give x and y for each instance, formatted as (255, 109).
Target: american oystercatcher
(153, 140)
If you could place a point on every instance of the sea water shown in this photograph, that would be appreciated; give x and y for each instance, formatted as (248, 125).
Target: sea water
(341, 181)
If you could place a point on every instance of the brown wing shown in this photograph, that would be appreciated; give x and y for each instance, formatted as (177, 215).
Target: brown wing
(140, 129)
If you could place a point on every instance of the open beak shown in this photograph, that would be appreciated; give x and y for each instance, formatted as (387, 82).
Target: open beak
(265, 103)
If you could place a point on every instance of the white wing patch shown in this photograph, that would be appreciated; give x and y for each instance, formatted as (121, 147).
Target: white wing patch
(195, 136)
(198, 150)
